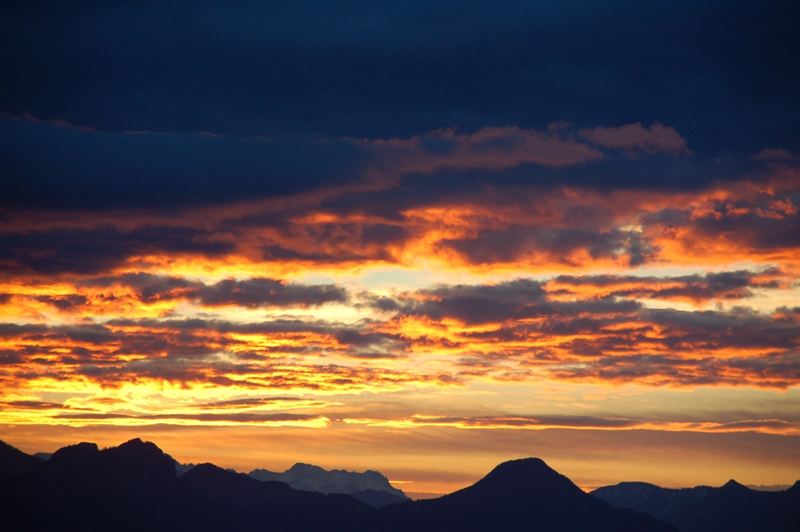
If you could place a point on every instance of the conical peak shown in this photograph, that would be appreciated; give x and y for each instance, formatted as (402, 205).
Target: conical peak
(527, 475)
(732, 484)
(527, 466)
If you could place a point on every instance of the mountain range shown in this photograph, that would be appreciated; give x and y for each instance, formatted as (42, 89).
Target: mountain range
(730, 507)
(136, 486)
(370, 487)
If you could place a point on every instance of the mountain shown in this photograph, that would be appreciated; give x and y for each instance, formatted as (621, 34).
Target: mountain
(211, 498)
(14, 462)
(370, 487)
(136, 487)
(731, 507)
(377, 498)
(518, 495)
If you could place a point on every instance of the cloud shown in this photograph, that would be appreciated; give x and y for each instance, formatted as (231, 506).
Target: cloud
(513, 300)
(731, 285)
(775, 370)
(773, 154)
(263, 292)
(99, 249)
(34, 405)
(248, 402)
(519, 329)
(491, 148)
(61, 168)
(569, 246)
(267, 418)
(512, 422)
(251, 292)
(536, 70)
(635, 138)
(164, 226)
(94, 296)
(765, 223)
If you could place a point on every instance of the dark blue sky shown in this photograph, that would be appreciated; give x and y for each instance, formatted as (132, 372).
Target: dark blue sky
(303, 75)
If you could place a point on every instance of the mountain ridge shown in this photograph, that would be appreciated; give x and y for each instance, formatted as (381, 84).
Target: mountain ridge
(732, 507)
(135, 486)
(370, 486)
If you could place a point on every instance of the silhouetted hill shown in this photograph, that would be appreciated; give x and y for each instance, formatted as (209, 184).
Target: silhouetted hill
(377, 498)
(370, 487)
(731, 507)
(13, 461)
(518, 495)
(216, 499)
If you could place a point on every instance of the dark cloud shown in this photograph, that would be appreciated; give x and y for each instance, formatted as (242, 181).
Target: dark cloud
(759, 221)
(757, 424)
(274, 417)
(511, 421)
(779, 370)
(514, 243)
(740, 328)
(64, 302)
(512, 300)
(635, 138)
(286, 99)
(720, 285)
(260, 292)
(757, 228)
(98, 249)
(34, 405)
(55, 167)
(355, 69)
(252, 292)
(148, 287)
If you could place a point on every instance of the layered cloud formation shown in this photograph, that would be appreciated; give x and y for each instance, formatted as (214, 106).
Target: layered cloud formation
(345, 289)
(372, 222)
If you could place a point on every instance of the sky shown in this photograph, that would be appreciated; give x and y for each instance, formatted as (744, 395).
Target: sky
(418, 237)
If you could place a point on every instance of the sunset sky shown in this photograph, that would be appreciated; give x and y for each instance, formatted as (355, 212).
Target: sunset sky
(408, 237)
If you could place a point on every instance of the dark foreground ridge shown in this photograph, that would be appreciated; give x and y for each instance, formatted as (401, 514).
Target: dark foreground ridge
(135, 487)
(729, 508)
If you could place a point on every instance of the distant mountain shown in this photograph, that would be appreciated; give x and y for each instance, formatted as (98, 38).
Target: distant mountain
(730, 508)
(182, 469)
(136, 487)
(370, 487)
(518, 495)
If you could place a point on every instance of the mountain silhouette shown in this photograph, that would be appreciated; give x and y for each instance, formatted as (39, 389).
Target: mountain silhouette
(136, 487)
(731, 507)
(370, 487)
(14, 462)
(377, 498)
(519, 495)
